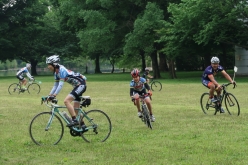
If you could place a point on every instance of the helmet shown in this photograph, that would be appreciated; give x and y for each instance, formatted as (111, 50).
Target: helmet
(28, 65)
(147, 69)
(135, 73)
(215, 60)
(54, 60)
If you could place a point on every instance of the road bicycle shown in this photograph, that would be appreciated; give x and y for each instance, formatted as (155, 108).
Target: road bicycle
(231, 103)
(46, 128)
(32, 88)
(155, 85)
(145, 112)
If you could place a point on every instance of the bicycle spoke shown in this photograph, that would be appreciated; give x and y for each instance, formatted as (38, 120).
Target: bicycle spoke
(99, 126)
(232, 105)
(206, 105)
(14, 89)
(44, 131)
(34, 88)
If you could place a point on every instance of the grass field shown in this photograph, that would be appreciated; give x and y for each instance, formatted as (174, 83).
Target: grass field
(181, 135)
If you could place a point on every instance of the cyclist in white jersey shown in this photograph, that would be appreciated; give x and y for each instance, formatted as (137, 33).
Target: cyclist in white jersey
(20, 75)
(61, 75)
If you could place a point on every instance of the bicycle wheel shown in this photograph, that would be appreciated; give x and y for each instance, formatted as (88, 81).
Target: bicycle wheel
(46, 129)
(34, 88)
(206, 105)
(156, 86)
(147, 119)
(14, 89)
(99, 126)
(232, 105)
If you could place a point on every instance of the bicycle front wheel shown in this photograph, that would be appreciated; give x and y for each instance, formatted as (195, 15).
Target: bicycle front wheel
(34, 88)
(99, 126)
(14, 89)
(232, 105)
(206, 105)
(146, 117)
(46, 129)
(156, 86)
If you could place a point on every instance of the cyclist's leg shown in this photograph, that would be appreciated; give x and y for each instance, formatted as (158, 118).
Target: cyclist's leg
(210, 86)
(137, 102)
(21, 80)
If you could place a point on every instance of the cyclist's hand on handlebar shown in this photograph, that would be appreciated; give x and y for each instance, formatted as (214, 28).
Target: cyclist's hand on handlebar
(51, 97)
(132, 99)
(150, 92)
(234, 84)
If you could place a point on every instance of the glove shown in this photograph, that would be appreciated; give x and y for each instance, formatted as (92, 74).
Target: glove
(234, 82)
(32, 78)
(150, 92)
(132, 99)
(51, 97)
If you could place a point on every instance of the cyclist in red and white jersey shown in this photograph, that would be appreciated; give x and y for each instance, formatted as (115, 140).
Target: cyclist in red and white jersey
(20, 75)
(138, 86)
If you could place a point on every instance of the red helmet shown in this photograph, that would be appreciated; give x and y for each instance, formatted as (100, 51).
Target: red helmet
(135, 73)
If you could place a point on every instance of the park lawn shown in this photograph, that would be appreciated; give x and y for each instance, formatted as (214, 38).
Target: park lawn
(182, 133)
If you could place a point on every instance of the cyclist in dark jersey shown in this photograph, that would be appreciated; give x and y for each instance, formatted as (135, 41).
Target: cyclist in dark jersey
(209, 81)
(146, 75)
(138, 86)
(61, 75)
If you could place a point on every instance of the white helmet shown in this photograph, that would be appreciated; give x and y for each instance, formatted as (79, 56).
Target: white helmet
(54, 60)
(28, 65)
(147, 69)
(215, 60)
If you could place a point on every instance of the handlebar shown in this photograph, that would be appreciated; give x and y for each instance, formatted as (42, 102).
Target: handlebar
(44, 99)
(225, 85)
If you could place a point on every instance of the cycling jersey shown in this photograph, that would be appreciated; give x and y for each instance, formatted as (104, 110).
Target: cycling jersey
(75, 79)
(23, 71)
(209, 70)
(138, 86)
(145, 74)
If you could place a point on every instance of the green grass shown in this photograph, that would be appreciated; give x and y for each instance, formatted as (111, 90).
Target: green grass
(182, 133)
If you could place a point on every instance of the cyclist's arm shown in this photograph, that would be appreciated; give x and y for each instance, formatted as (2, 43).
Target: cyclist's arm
(227, 76)
(147, 86)
(211, 77)
(59, 87)
(29, 75)
(149, 76)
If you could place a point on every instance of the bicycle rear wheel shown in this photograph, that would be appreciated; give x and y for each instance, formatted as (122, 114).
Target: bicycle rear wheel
(46, 129)
(206, 105)
(156, 86)
(99, 126)
(146, 116)
(232, 105)
(34, 88)
(14, 89)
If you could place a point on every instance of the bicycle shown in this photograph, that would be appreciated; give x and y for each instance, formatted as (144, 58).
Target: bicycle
(145, 112)
(155, 85)
(47, 127)
(33, 87)
(229, 99)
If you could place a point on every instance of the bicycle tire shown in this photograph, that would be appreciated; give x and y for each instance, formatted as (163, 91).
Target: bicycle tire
(99, 126)
(230, 101)
(156, 86)
(38, 132)
(206, 106)
(146, 116)
(14, 88)
(34, 88)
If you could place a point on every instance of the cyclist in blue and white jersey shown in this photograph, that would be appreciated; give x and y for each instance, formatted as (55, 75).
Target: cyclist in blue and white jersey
(61, 75)
(209, 81)
(20, 75)
(138, 86)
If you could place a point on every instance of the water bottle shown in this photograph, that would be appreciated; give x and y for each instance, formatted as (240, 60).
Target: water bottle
(67, 116)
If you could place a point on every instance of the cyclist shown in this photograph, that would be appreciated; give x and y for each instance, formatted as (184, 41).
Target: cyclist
(20, 73)
(146, 74)
(209, 81)
(78, 81)
(138, 86)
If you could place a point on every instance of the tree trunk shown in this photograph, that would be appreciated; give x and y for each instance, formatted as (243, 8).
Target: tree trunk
(33, 68)
(162, 63)
(156, 72)
(143, 60)
(97, 63)
(223, 57)
(172, 69)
